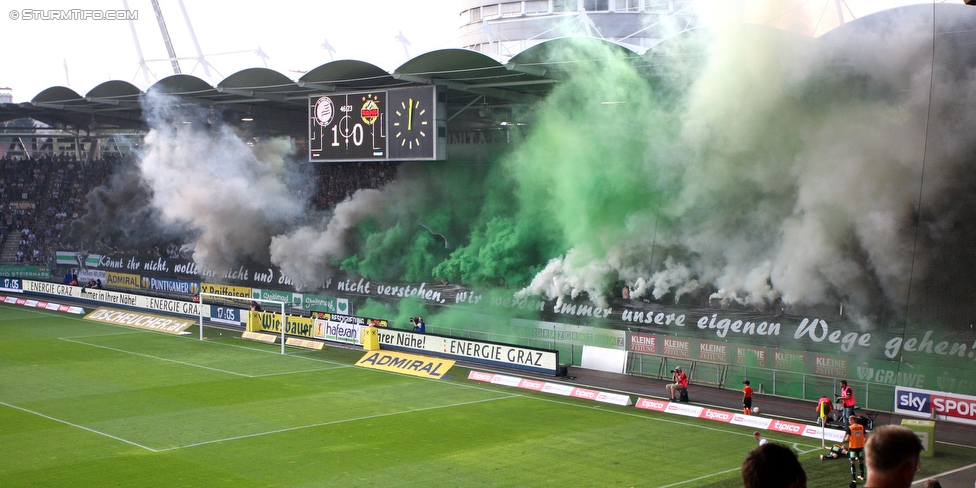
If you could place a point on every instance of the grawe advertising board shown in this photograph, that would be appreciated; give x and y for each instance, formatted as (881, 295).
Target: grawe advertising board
(935, 405)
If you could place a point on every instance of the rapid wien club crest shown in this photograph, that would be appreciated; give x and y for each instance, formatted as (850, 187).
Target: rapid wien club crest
(371, 109)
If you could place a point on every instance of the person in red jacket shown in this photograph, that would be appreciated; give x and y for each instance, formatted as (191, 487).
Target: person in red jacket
(747, 398)
(679, 381)
(823, 410)
(846, 398)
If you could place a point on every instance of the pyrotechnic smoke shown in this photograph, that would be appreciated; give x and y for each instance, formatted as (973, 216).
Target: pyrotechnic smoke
(780, 170)
(799, 173)
(119, 214)
(230, 196)
(768, 169)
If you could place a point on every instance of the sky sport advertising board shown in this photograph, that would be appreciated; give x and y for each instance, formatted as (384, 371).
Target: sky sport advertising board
(936, 405)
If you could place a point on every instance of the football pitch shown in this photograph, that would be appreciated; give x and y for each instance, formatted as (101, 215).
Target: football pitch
(90, 404)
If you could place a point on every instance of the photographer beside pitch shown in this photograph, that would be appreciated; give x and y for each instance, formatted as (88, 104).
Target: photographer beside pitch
(679, 383)
(419, 325)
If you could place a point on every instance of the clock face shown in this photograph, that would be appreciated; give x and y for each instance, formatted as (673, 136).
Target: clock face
(412, 129)
(411, 123)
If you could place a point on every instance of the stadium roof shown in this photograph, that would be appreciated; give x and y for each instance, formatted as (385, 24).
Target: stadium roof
(477, 84)
(279, 105)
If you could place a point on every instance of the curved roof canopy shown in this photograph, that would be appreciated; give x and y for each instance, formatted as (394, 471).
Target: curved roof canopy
(253, 93)
(470, 79)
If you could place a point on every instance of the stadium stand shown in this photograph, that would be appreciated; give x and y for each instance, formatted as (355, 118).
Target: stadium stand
(40, 197)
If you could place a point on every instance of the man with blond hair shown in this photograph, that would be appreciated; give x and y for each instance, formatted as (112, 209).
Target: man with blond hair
(892, 453)
(855, 447)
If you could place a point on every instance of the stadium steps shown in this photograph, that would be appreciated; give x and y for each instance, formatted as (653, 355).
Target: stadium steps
(8, 255)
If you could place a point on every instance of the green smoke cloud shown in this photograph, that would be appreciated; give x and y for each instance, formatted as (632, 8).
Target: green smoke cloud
(742, 164)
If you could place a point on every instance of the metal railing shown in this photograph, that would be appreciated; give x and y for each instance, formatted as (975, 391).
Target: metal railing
(764, 380)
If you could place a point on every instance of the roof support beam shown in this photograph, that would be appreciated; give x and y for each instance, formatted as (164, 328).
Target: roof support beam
(253, 94)
(316, 85)
(455, 85)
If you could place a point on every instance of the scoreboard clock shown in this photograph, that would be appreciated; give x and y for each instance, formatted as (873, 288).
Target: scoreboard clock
(396, 124)
(411, 118)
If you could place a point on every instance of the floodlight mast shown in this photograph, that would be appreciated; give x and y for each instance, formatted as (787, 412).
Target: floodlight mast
(166, 40)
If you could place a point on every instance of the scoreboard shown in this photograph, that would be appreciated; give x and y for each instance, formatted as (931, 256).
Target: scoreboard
(398, 124)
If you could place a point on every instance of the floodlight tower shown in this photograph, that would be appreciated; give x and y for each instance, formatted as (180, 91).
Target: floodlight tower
(403, 40)
(166, 40)
(135, 40)
(193, 36)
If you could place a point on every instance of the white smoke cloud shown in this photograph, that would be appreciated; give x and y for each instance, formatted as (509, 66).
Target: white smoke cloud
(231, 196)
(801, 165)
(305, 254)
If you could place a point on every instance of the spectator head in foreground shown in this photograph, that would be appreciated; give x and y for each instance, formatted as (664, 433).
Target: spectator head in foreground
(773, 466)
(892, 454)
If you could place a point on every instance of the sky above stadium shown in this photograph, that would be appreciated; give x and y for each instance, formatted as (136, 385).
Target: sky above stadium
(289, 36)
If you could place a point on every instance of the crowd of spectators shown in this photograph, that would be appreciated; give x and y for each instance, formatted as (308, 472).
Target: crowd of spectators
(338, 181)
(50, 191)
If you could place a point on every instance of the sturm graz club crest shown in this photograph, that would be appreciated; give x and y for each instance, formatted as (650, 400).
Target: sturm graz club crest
(945, 382)
(865, 372)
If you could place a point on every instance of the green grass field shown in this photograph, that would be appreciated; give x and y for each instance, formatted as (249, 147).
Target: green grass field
(88, 404)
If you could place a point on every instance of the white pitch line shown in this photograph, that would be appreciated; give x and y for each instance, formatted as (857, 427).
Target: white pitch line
(82, 427)
(701, 477)
(159, 358)
(279, 373)
(282, 373)
(643, 415)
(102, 335)
(333, 422)
(275, 352)
(801, 450)
(943, 475)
